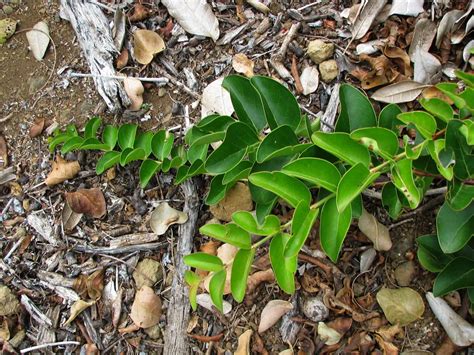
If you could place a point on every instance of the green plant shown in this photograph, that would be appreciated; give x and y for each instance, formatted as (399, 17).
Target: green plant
(318, 174)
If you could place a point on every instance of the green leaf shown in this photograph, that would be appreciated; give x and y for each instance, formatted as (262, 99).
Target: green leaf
(246, 100)
(247, 221)
(284, 268)
(356, 110)
(444, 159)
(241, 171)
(161, 144)
(281, 141)
(56, 140)
(455, 228)
(356, 206)
(352, 183)
(423, 121)
(391, 200)
(144, 141)
(91, 127)
(108, 160)
(342, 146)
(110, 136)
(317, 171)
(438, 108)
(240, 272)
(459, 195)
(467, 130)
(388, 117)
(72, 144)
(148, 169)
(238, 138)
(130, 154)
(413, 153)
(402, 178)
(216, 289)
(464, 167)
(303, 220)
(288, 188)
(203, 261)
(264, 209)
(197, 152)
(229, 233)
(214, 124)
(380, 140)
(94, 144)
(450, 90)
(193, 281)
(217, 189)
(459, 273)
(333, 227)
(430, 254)
(126, 135)
(282, 111)
(466, 77)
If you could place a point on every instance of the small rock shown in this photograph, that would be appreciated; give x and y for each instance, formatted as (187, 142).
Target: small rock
(147, 273)
(237, 199)
(8, 10)
(314, 309)
(319, 50)
(8, 302)
(36, 83)
(405, 273)
(328, 70)
(153, 332)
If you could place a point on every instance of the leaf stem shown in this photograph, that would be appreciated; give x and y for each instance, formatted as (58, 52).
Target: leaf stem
(261, 241)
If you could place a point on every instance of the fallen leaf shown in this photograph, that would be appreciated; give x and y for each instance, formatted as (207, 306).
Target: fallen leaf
(401, 58)
(119, 28)
(8, 302)
(77, 308)
(448, 24)
(210, 247)
(466, 53)
(146, 308)
(403, 91)
(215, 99)
(226, 252)
(433, 93)
(195, 16)
(237, 198)
(38, 39)
(147, 273)
(328, 335)
(146, 44)
(62, 170)
(243, 347)
(407, 7)
(95, 284)
(122, 59)
(375, 231)
(5, 332)
(387, 347)
(366, 259)
(426, 66)
(423, 35)
(37, 127)
(272, 312)
(243, 65)
(87, 201)
(139, 13)
(3, 153)
(341, 324)
(366, 16)
(388, 333)
(165, 216)
(134, 89)
(257, 278)
(258, 5)
(70, 218)
(370, 47)
(401, 306)
(204, 300)
(309, 80)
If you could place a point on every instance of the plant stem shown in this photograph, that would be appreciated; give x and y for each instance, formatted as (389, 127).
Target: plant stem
(261, 241)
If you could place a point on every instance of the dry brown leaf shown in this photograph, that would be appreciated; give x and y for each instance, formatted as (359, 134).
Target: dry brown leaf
(95, 284)
(70, 218)
(37, 127)
(387, 347)
(341, 324)
(257, 278)
(87, 201)
(243, 65)
(62, 170)
(8, 302)
(243, 347)
(403, 91)
(375, 231)
(3, 153)
(226, 252)
(388, 333)
(424, 33)
(237, 199)
(146, 44)
(432, 92)
(401, 306)
(139, 13)
(210, 247)
(77, 308)
(272, 312)
(146, 308)
(328, 335)
(4, 331)
(122, 59)
(134, 89)
(401, 58)
(164, 216)
(448, 24)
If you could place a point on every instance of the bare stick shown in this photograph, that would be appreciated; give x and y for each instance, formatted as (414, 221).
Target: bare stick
(160, 81)
(42, 346)
(109, 250)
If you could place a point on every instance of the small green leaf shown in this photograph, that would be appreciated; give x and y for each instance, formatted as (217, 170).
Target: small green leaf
(241, 171)
(303, 220)
(444, 159)
(91, 127)
(467, 130)
(193, 281)
(281, 141)
(197, 152)
(94, 144)
(216, 289)
(217, 189)
(317, 171)
(423, 121)
(229, 233)
(110, 136)
(108, 160)
(342, 146)
(148, 169)
(72, 144)
(288, 188)
(247, 221)
(468, 78)
(464, 167)
(438, 108)
(459, 195)
(203, 261)
(459, 273)
(382, 141)
(161, 144)
(455, 228)
(450, 90)
(56, 140)
(126, 135)
(130, 154)
(333, 227)
(391, 200)
(413, 153)
(430, 254)
(284, 268)
(240, 272)
(144, 141)
(402, 178)
(264, 209)
(356, 110)
(388, 117)
(214, 124)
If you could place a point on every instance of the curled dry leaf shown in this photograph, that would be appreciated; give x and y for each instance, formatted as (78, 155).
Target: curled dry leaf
(367, 15)
(448, 24)
(423, 35)
(87, 201)
(366, 259)
(38, 39)
(146, 44)
(122, 59)
(243, 65)
(3, 153)
(401, 306)
(204, 300)
(403, 91)
(139, 13)
(216, 100)
(77, 308)
(134, 89)
(257, 278)
(243, 347)
(146, 308)
(164, 216)
(272, 313)
(62, 170)
(259, 5)
(328, 335)
(37, 127)
(375, 231)
(70, 218)
(309, 80)
(8, 302)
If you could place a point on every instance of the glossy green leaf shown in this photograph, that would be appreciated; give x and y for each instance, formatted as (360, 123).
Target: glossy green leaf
(143, 141)
(238, 138)
(110, 136)
(391, 201)
(352, 183)
(229, 233)
(247, 221)
(450, 90)
(460, 195)
(467, 130)
(459, 273)
(126, 135)
(303, 220)
(402, 178)
(108, 160)
(203, 261)
(130, 154)
(197, 152)
(342, 146)
(216, 289)
(209, 138)
(333, 227)
(240, 171)
(217, 189)
(468, 96)
(413, 153)
(455, 228)
(356, 206)
(214, 123)
(438, 108)
(90, 130)
(161, 144)
(94, 144)
(280, 141)
(317, 171)
(284, 268)
(264, 209)
(193, 281)
(464, 167)
(72, 144)
(388, 117)
(444, 159)
(468, 78)
(356, 110)
(57, 140)
(423, 121)
(430, 255)
(148, 169)
(382, 141)
(288, 188)
(283, 111)
(246, 100)
(240, 271)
